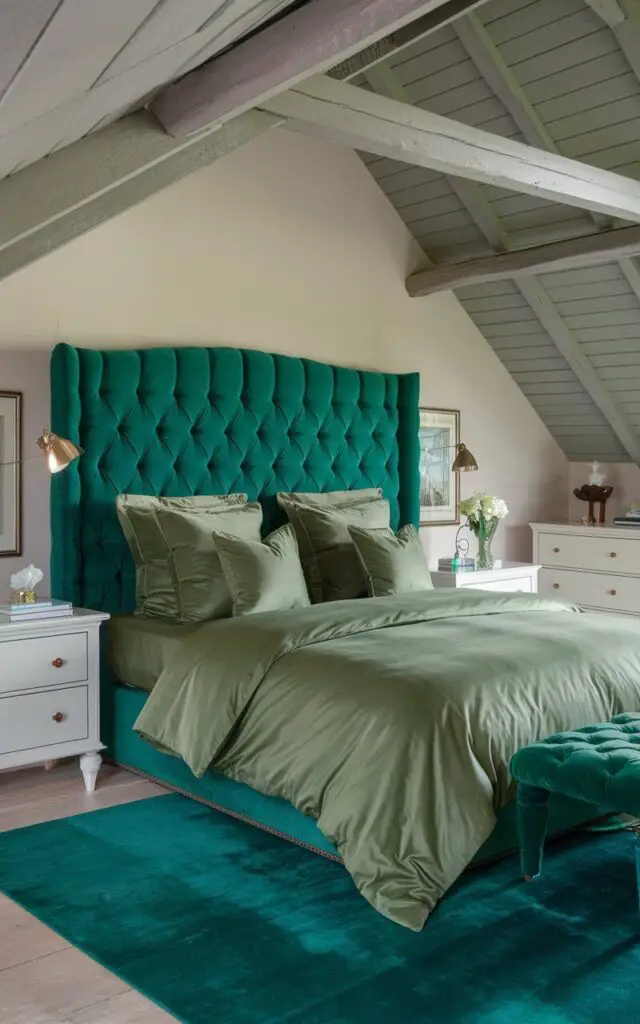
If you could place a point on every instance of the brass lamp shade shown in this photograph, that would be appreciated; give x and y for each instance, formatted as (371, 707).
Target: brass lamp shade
(464, 461)
(58, 451)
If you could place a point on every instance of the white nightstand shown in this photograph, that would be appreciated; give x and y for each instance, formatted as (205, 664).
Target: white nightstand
(510, 576)
(50, 690)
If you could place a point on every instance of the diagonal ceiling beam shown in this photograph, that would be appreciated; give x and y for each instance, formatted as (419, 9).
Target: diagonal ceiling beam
(490, 63)
(311, 39)
(570, 349)
(588, 251)
(383, 79)
(623, 18)
(55, 200)
(363, 120)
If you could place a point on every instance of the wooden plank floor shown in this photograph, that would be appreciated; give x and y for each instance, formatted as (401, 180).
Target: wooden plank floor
(44, 980)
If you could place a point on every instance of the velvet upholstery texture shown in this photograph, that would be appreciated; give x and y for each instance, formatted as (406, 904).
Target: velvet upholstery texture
(192, 421)
(263, 577)
(220, 922)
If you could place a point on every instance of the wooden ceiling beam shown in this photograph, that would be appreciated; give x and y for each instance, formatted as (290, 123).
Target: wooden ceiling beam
(363, 120)
(587, 251)
(311, 39)
(383, 79)
(53, 201)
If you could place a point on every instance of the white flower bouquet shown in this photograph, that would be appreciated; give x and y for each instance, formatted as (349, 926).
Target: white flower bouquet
(484, 512)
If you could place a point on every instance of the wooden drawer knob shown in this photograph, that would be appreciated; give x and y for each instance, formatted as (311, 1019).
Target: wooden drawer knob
(612, 592)
(612, 554)
(57, 662)
(556, 551)
(556, 586)
(58, 717)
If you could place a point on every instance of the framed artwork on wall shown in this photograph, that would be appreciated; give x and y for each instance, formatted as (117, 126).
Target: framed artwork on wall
(10, 473)
(439, 485)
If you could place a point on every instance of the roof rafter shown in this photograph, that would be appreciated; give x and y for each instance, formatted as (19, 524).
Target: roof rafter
(570, 349)
(623, 18)
(364, 120)
(383, 79)
(571, 253)
(489, 61)
(311, 39)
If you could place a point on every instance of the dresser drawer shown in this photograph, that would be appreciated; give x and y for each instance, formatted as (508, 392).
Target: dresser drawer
(43, 661)
(32, 720)
(580, 551)
(611, 593)
(520, 585)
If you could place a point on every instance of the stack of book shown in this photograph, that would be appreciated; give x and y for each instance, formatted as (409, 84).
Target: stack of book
(456, 564)
(628, 519)
(42, 608)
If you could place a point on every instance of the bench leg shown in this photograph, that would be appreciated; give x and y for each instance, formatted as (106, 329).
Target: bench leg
(532, 827)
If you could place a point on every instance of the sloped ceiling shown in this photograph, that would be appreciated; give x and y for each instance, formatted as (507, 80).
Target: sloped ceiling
(560, 68)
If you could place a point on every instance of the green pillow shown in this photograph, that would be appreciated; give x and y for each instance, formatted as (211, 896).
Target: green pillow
(155, 587)
(393, 563)
(328, 556)
(263, 577)
(201, 590)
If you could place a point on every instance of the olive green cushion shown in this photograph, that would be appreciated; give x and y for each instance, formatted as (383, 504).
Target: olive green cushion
(393, 563)
(201, 590)
(263, 577)
(329, 559)
(156, 595)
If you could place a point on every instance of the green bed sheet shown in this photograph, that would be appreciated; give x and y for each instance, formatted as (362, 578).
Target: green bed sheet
(392, 721)
(139, 648)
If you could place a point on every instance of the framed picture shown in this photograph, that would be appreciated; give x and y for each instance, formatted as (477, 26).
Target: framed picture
(10, 473)
(439, 485)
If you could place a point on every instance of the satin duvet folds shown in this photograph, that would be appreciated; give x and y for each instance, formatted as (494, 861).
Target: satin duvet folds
(392, 721)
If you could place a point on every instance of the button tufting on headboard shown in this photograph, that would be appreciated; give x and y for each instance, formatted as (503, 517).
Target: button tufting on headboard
(182, 421)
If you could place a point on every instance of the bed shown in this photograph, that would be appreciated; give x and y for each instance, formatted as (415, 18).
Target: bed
(196, 421)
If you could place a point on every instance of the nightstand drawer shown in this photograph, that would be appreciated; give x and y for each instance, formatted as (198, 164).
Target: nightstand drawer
(43, 719)
(515, 585)
(43, 661)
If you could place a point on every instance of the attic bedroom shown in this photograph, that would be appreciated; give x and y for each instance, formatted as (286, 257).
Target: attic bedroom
(326, 318)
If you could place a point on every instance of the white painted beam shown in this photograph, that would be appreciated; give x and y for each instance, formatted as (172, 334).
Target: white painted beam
(587, 251)
(311, 39)
(50, 202)
(490, 63)
(570, 349)
(383, 79)
(362, 120)
(609, 10)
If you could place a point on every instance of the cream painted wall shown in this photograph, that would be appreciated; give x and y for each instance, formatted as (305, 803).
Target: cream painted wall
(288, 245)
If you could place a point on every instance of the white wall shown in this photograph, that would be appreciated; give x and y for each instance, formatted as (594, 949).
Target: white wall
(288, 245)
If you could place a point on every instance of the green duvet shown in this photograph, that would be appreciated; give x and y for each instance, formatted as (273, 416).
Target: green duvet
(392, 721)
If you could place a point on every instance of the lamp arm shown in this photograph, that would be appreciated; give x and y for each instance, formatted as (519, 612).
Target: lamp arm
(18, 462)
(458, 447)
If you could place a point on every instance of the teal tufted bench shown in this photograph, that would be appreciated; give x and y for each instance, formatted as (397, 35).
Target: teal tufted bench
(599, 764)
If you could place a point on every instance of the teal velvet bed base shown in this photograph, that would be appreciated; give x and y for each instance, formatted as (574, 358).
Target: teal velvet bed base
(274, 814)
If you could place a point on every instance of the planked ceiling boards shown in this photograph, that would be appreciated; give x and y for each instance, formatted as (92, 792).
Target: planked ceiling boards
(69, 66)
(571, 78)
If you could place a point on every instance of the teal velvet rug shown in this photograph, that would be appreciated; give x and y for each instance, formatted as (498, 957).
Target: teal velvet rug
(220, 922)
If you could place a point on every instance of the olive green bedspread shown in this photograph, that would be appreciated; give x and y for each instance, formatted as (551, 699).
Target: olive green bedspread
(392, 721)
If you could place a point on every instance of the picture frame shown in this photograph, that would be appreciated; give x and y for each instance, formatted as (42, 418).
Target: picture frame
(439, 434)
(10, 473)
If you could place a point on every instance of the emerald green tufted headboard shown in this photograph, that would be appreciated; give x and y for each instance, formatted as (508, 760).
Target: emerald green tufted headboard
(181, 421)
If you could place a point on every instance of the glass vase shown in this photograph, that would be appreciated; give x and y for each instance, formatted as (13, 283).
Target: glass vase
(484, 530)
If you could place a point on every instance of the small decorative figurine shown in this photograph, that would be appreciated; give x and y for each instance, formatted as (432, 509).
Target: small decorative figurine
(24, 584)
(596, 477)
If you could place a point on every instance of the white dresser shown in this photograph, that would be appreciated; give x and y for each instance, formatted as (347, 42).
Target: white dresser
(594, 566)
(50, 691)
(515, 577)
